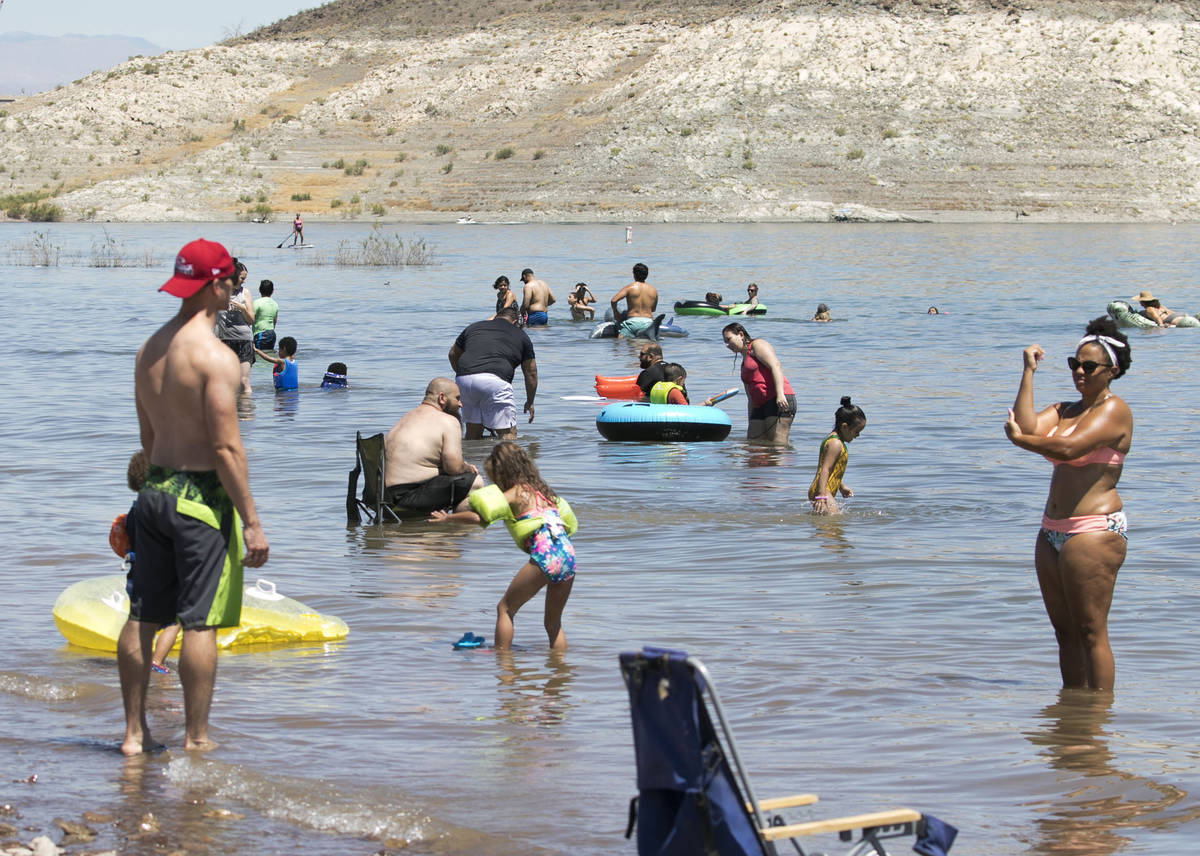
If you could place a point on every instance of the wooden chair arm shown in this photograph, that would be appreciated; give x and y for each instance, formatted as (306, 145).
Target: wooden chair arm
(841, 824)
(784, 802)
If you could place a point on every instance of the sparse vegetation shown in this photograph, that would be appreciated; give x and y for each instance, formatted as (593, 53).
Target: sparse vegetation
(355, 168)
(109, 253)
(382, 250)
(442, 149)
(37, 251)
(301, 197)
(539, 154)
(854, 154)
(505, 153)
(449, 165)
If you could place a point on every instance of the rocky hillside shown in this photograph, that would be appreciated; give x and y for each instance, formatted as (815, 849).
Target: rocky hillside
(652, 110)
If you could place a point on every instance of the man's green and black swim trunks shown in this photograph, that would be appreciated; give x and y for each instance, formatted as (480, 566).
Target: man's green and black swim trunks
(188, 553)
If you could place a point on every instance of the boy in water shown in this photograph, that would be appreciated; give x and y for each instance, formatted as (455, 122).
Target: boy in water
(671, 390)
(285, 374)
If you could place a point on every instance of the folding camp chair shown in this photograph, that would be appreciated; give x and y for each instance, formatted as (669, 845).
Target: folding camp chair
(369, 461)
(692, 801)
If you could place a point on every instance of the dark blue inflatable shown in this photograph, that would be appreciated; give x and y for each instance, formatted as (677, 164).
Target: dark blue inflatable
(636, 420)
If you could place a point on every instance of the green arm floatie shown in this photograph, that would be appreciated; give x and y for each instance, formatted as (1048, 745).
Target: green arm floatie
(489, 503)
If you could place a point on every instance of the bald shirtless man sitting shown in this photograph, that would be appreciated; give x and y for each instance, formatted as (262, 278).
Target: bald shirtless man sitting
(640, 299)
(535, 300)
(425, 466)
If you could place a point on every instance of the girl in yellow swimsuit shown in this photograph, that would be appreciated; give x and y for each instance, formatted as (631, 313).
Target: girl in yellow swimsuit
(1081, 544)
(848, 423)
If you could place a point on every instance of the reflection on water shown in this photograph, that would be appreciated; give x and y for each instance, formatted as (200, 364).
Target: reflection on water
(245, 407)
(1099, 803)
(831, 532)
(287, 402)
(529, 695)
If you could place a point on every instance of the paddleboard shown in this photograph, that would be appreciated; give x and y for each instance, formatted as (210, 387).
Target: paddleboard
(91, 613)
(299, 246)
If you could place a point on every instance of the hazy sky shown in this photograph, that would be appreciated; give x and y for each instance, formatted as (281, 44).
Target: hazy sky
(170, 24)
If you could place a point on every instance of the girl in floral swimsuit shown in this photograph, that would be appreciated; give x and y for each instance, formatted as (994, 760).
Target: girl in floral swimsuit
(1081, 544)
(551, 553)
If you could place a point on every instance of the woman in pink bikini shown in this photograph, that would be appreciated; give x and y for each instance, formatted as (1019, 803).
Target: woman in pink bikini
(1081, 544)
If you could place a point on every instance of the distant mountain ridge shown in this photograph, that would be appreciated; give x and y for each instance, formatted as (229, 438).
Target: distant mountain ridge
(31, 63)
(637, 110)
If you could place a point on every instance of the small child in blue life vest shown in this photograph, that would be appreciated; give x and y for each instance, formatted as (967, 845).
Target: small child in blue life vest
(285, 374)
(335, 377)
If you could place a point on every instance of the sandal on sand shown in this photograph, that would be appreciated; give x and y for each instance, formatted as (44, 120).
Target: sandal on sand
(161, 669)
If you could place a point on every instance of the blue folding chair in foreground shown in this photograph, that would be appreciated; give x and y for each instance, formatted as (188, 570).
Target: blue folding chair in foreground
(694, 798)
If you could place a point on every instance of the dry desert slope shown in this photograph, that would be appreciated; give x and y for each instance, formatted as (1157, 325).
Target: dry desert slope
(590, 111)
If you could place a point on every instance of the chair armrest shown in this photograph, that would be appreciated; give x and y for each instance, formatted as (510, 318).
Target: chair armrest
(784, 802)
(893, 817)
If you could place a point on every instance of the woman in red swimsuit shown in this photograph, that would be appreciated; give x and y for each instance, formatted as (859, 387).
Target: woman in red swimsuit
(1081, 544)
(772, 403)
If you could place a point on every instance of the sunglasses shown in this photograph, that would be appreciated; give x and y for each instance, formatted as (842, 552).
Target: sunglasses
(1088, 366)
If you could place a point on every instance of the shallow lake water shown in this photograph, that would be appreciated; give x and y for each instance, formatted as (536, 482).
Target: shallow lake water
(895, 655)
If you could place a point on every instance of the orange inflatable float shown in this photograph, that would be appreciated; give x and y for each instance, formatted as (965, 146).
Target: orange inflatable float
(618, 387)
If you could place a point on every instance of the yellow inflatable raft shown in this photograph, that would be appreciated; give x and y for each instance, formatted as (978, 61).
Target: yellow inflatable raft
(92, 612)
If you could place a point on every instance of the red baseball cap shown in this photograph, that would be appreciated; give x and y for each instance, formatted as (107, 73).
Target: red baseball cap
(197, 263)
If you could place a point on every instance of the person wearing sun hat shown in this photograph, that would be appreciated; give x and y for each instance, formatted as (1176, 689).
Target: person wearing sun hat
(1154, 310)
(195, 518)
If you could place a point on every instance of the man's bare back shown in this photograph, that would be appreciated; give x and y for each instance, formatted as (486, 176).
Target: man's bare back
(180, 369)
(426, 441)
(641, 299)
(186, 383)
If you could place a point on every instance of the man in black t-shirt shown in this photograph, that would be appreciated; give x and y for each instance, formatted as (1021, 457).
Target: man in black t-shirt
(485, 357)
(651, 360)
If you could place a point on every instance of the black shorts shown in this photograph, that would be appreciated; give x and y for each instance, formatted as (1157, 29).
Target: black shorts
(188, 558)
(770, 410)
(441, 491)
(244, 348)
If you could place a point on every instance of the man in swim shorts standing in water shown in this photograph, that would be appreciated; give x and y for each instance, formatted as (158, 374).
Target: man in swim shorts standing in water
(485, 357)
(195, 511)
(535, 300)
(641, 299)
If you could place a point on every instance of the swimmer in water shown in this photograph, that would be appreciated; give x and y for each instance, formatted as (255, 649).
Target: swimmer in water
(578, 300)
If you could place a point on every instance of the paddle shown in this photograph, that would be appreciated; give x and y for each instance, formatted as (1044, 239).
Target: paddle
(279, 246)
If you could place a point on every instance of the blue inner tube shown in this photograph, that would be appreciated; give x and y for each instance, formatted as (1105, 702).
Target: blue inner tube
(636, 420)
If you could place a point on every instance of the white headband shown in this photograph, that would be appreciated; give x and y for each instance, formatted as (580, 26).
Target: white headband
(1105, 342)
